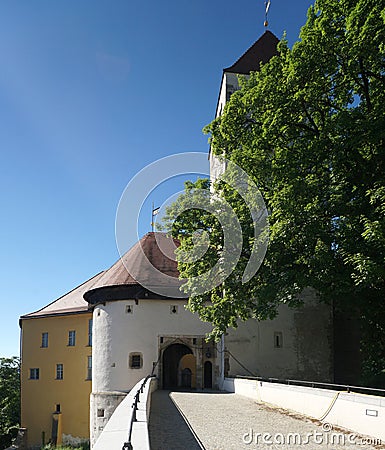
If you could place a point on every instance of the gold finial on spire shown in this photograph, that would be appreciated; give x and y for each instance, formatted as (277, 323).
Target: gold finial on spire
(267, 6)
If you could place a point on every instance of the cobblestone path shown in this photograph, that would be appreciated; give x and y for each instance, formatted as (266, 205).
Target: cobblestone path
(225, 421)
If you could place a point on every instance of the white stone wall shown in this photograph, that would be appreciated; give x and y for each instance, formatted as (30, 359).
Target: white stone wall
(306, 351)
(229, 86)
(115, 432)
(117, 333)
(361, 413)
(106, 402)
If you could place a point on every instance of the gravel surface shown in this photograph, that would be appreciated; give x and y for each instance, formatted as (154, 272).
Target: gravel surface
(226, 421)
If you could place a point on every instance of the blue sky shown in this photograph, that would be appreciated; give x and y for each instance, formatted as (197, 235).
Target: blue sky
(90, 93)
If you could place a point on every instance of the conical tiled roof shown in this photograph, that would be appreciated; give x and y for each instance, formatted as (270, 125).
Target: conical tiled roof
(260, 52)
(149, 265)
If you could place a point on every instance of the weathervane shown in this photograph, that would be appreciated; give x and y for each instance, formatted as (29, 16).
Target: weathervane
(267, 6)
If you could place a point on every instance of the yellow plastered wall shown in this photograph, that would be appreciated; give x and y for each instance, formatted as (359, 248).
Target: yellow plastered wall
(72, 393)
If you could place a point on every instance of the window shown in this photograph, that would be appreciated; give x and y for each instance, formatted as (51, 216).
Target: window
(100, 412)
(90, 332)
(57, 410)
(136, 360)
(59, 371)
(278, 339)
(71, 338)
(44, 340)
(89, 367)
(34, 374)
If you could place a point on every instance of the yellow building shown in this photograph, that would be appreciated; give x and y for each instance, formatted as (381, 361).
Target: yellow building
(56, 369)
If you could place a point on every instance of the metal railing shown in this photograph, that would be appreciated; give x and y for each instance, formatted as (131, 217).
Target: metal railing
(128, 444)
(318, 384)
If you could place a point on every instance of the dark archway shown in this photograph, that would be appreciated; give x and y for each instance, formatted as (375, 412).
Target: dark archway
(170, 364)
(208, 375)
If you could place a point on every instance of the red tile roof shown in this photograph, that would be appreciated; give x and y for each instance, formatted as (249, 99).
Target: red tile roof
(145, 264)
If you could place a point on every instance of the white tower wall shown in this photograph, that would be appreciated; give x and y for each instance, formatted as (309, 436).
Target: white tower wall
(123, 328)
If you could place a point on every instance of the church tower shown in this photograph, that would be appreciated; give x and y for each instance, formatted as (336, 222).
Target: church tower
(259, 53)
(297, 344)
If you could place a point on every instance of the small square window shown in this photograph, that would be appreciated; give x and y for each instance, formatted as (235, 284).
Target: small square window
(34, 374)
(100, 412)
(136, 360)
(44, 340)
(278, 339)
(59, 371)
(71, 338)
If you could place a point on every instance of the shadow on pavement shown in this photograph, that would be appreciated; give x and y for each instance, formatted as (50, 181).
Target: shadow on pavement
(168, 429)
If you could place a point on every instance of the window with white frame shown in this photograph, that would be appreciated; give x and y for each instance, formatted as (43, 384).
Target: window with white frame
(34, 373)
(59, 371)
(71, 338)
(90, 332)
(89, 367)
(44, 340)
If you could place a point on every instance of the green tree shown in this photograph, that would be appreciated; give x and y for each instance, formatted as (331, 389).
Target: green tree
(309, 129)
(9, 399)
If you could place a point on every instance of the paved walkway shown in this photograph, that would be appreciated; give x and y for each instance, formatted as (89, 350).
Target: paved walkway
(225, 421)
(167, 428)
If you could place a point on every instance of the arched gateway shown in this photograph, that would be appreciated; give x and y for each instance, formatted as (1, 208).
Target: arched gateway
(174, 375)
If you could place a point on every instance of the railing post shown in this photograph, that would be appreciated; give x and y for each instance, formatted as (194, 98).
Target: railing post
(134, 413)
(127, 445)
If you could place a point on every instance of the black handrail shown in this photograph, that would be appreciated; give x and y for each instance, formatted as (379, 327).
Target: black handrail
(128, 445)
(318, 384)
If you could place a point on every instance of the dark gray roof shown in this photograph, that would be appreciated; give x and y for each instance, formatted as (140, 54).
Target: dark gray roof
(260, 52)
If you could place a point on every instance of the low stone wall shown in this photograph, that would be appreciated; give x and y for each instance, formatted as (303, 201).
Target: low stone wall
(360, 413)
(102, 407)
(116, 431)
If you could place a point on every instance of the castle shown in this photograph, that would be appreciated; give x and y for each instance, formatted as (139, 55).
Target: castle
(83, 352)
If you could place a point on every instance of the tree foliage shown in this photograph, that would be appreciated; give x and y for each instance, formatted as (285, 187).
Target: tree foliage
(309, 128)
(9, 399)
